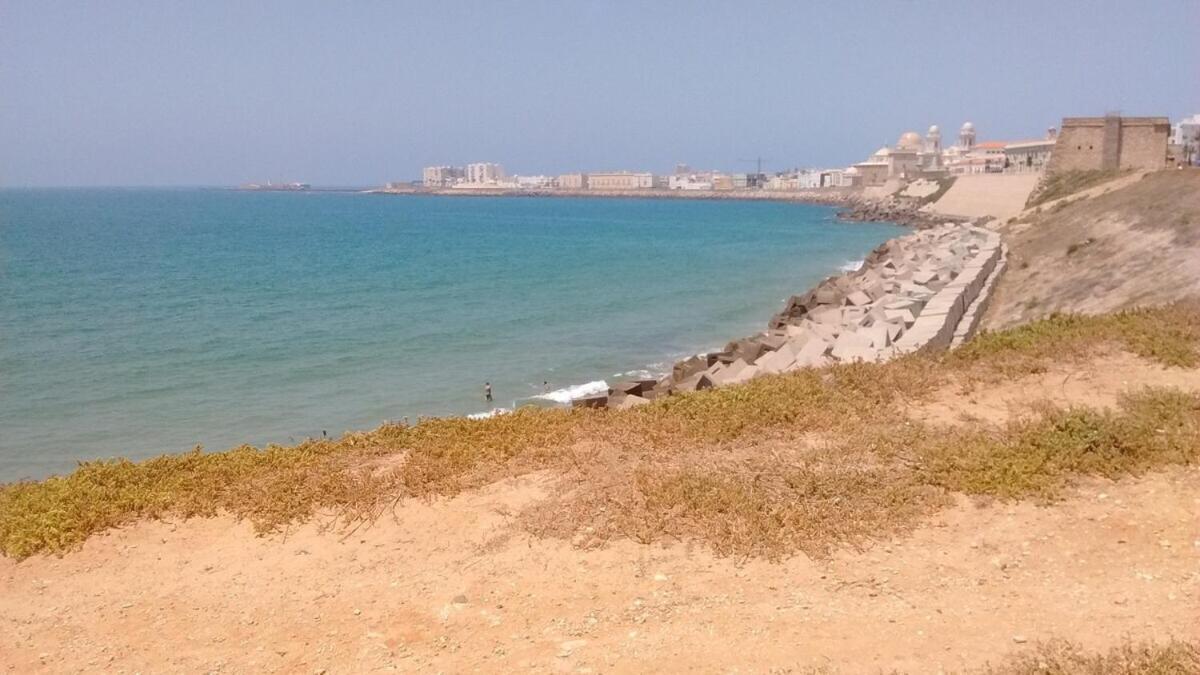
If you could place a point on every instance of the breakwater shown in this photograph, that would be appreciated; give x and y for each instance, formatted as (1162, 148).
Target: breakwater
(923, 291)
(852, 203)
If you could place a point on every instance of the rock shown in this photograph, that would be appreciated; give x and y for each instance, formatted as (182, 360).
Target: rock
(689, 367)
(697, 382)
(778, 361)
(460, 599)
(631, 401)
(1020, 639)
(853, 347)
(812, 353)
(629, 387)
(858, 299)
(598, 401)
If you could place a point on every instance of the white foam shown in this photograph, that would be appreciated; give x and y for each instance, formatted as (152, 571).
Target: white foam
(851, 265)
(568, 394)
(489, 413)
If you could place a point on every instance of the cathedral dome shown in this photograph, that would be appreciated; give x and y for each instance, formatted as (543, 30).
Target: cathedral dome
(934, 130)
(967, 126)
(909, 140)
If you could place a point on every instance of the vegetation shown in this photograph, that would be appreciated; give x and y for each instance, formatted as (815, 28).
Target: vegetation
(1063, 658)
(944, 185)
(1065, 183)
(796, 462)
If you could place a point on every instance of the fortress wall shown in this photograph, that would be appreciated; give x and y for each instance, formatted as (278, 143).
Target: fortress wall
(1144, 143)
(1110, 143)
(1080, 145)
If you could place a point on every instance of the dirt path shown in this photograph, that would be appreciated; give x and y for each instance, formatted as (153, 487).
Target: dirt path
(449, 587)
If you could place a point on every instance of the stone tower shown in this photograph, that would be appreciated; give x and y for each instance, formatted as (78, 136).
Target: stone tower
(966, 136)
(933, 140)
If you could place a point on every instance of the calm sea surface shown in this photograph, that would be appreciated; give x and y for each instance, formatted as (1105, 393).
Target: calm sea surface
(136, 322)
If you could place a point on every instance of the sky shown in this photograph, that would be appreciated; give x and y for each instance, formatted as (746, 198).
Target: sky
(360, 93)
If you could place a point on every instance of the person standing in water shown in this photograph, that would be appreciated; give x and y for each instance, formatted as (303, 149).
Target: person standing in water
(487, 391)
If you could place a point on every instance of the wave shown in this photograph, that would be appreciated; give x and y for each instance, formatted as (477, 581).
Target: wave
(851, 265)
(488, 413)
(568, 394)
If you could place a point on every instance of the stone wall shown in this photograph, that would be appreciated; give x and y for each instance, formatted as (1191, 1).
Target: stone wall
(1110, 143)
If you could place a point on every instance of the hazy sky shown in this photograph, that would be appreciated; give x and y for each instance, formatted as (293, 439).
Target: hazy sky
(358, 93)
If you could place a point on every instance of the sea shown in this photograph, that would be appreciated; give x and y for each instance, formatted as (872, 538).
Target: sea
(135, 322)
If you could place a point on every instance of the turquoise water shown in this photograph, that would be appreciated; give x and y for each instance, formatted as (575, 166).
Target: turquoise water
(135, 322)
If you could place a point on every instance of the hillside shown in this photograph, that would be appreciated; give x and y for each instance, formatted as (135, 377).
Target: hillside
(1130, 242)
(999, 196)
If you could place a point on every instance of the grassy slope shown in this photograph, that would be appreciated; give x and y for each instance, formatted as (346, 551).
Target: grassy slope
(796, 462)
(1134, 246)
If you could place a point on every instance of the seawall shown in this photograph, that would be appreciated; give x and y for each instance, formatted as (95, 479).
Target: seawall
(926, 291)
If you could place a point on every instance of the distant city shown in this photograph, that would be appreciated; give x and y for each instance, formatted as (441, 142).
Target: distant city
(912, 157)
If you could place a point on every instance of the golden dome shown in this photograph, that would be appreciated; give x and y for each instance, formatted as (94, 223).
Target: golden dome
(909, 140)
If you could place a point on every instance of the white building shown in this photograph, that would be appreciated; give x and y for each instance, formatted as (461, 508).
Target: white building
(441, 176)
(620, 180)
(1186, 135)
(808, 179)
(535, 182)
(835, 178)
(484, 172)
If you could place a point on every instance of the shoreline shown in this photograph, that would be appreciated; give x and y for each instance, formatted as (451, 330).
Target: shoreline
(600, 384)
(855, 205)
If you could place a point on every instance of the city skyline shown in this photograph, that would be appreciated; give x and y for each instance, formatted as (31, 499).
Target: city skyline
(130, 94)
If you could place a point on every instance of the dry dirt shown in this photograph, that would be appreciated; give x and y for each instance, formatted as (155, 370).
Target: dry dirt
(1133, 241)
(1098, 383)
(999, 196)
(455, 586)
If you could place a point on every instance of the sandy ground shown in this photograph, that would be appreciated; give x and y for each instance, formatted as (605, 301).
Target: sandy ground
(456, 586)
(1000, 196)
(1098, 383)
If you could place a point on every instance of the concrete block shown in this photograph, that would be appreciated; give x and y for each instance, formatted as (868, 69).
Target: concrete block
(904, 316)
(745, 375)
(853, 347)
(878, 335)
(827, 315)
(773, 342)
(858, 298)
(626, 387)
(697, 382)
(600, 401)
(631, 401)
(812, 350)
(776, 362)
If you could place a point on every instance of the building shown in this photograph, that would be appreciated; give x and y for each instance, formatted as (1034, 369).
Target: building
(1029, 156)
(1110, 143)
(872, 173)
(688, 182)
(722, 181)
(573, 181)
(620, 180)
(966, 137)
(809, 179)
(1186, 135)
(483, 173)
(534, 182)
(441, 176)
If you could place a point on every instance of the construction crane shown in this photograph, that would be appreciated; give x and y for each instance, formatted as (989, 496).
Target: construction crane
(758, 161)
